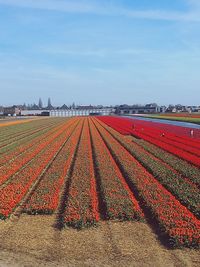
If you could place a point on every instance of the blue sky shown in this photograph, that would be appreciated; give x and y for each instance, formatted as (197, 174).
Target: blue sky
(100, 51)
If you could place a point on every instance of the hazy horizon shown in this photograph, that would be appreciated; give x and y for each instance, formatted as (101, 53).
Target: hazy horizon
(100, 52)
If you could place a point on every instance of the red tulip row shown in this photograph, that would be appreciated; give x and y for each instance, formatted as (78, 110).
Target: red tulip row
(119, 200)
(180, 131)
(18, 148)
(181, 187)
(181, 166)
(12, 193)
(81, 202)
(11, 168)
(170, 141)
(183, 140)
(175, 221)
(45, 199)
(176, 151)
(176, 140)
(128, 126)
(124, 125)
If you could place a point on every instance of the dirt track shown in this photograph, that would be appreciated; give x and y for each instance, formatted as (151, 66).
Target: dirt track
(33, 241)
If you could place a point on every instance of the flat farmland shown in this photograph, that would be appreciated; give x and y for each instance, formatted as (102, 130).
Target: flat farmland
(98, 182)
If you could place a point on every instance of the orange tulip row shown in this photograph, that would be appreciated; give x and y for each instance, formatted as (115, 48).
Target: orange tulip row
(81, 201)
(19, 184)
(14, 166)
(45, 199)
(14, 134)
(12, 150)
(117, 197)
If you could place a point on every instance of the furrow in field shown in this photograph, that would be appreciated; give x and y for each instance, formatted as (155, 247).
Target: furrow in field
(175, 144)
(46, 196)
(118, 202)
(11, 168)
(10, 142)
(169, 148)
(21, 130)
(13, 193)
(181, 166)
(186, 141)
(9, 156)
(174, 220)
(185, 191)
(126, 126)
(81, 202)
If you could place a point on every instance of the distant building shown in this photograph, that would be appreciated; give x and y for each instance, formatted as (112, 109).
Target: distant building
(35, 107)
(35, 112)
(137, 109)
(1, 110)
(176, 109)
(12, 111)
(163, 109)
(64, 107)
(81, 111)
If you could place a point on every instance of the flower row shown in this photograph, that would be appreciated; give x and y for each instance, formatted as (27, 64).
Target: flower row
(128, 127)
(13, 149)
(187, 192)
(81, 200)
(13, 134)
(119, 201)
(12, 167)
(182, 167)
(175, 221)
(45, 198)
(12, 193)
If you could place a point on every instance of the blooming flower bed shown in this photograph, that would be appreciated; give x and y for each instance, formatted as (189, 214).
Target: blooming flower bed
(84, 171)
(117, 197)
(141, 130)
(45, 199)
(187, 192)
(174, 219)
(81, 201)
(10, 151)
(15, 189)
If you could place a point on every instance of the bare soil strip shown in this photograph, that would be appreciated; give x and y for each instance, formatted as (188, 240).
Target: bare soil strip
(33, 241)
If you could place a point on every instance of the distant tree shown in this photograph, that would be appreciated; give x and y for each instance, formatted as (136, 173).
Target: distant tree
(49, 102)
(40, 105)
(24, 107)
(49, 105)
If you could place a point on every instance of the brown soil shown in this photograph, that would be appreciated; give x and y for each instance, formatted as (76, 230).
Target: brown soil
(33, 241)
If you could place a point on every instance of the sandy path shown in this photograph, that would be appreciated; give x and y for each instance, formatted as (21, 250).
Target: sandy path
(33, 241)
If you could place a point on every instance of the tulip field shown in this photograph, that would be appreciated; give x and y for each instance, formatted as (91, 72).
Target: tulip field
(85, 170)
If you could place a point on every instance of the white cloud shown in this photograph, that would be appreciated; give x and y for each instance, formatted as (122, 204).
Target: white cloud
(193, 4)
(58, 5)
(56, 50)
(107, 8)
(91, 52)
(162, 15)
